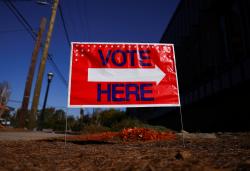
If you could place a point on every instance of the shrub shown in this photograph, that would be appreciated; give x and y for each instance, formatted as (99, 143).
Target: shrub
(126, 123)
(94, 128)
(109, 117)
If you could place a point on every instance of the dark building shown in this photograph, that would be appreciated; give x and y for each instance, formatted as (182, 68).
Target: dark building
(212, 45)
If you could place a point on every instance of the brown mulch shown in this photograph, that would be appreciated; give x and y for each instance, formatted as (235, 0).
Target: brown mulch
(228, 151)
(145, 134)
(128, 134)
(104, 136)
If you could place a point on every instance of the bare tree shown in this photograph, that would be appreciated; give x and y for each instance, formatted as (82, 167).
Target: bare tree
(5, 92)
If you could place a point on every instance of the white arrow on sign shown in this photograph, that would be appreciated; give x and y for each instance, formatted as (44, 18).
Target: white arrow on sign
(125, 74)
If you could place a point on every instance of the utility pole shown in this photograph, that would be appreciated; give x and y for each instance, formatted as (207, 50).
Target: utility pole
(29, 80)
(42, 66)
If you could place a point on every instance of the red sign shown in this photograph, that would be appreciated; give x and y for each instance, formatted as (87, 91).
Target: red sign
(122, 75)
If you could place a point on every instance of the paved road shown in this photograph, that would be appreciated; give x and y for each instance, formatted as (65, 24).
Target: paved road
(15, 136)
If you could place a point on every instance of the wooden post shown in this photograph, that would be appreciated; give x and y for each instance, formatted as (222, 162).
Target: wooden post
(29, 80)
(42, 66)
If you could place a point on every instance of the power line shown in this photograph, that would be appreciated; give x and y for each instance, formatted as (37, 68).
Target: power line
(79, 11)
(15, 101)
(86, 17)
(57, 69)
(19, 101)
(30, 30)
(72, 19)
(64, 25)
(83, 17)
(40, 104)
(12, 30)
(19, 19)
(22, 17)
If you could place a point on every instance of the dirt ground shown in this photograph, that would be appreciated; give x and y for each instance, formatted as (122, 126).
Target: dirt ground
(25, 136)
(226, 151)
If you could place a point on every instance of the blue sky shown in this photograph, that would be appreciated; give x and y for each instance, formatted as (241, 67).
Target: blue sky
(86, 21)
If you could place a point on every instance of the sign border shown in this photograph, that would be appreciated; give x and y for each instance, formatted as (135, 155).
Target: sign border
(120, 105)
